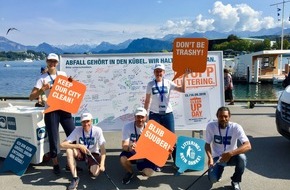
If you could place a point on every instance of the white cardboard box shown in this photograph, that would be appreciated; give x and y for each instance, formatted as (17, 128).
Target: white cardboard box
(23, 122)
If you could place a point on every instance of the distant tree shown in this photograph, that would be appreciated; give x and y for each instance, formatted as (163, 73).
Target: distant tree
(267, 44)
(222, 46)
(286, 44)
(232, 37)
(236, 45)
(259, 46)
(277, 45)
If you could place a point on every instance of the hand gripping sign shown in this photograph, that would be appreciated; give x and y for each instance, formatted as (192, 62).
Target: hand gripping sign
(189, 53)
(190, 153)
(65, 95)
(154, 144)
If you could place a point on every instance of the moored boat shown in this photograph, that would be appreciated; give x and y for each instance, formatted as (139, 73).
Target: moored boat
(28, 60)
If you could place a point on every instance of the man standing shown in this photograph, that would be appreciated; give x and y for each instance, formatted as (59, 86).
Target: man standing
(81, 142)
(222, 150)
(131, 133)
(228, 82)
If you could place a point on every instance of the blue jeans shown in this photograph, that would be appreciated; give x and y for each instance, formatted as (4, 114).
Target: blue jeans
(141, 163)
(52, 121)
(167, 121)
(239, 161)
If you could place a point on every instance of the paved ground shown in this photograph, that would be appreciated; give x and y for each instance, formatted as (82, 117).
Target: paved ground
(268, 163)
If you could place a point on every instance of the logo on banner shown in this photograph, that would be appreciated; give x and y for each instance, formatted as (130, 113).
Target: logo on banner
(3, 122)
(41, 133)
(196, 107)
(190, 153)
(8, 123)
(11, 123)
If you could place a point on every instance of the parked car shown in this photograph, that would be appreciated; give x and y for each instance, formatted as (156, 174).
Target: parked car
(283, 113)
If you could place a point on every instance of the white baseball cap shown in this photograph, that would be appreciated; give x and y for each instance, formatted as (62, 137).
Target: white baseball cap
(86, 117)
(159, 66)
(140, 111)
(52, 56)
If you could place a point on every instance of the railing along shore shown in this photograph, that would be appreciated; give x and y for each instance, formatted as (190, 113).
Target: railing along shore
(4, 98)
(261, 101)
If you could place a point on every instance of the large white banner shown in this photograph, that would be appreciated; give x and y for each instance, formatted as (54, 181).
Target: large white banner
(116, 86)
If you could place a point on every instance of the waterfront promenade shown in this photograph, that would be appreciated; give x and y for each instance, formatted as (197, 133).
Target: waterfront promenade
(268, 162)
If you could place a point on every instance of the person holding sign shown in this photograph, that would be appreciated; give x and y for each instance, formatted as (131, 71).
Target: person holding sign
(52, 119)
(81, 142)
(222, 150)
(131, 133)
(157, 96)
(41, 98)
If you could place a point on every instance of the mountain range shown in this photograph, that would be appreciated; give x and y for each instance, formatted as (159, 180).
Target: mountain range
(133, 46)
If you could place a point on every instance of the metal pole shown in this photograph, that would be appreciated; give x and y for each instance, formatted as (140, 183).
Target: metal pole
(282, 31)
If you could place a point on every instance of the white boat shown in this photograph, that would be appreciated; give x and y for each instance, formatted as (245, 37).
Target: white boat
(6, 65)
(28, 60)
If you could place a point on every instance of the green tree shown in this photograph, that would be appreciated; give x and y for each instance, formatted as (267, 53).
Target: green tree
(232, 37)
(267, 44)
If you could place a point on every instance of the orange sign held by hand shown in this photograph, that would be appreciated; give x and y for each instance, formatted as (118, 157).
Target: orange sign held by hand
(189, 53)
(65, 95)
(154, 144)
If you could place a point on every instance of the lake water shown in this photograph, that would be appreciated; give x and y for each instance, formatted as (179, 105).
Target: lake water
(18, 80)
(257, 91)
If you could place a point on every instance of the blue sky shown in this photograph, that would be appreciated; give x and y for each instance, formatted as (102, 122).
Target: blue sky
(67, 22)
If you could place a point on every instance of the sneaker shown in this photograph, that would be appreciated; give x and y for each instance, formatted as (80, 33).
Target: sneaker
(232, 103)
(56, 169)
(74, 183)
(157, 169)
(67, 169)
(126, 180)
(236, 185)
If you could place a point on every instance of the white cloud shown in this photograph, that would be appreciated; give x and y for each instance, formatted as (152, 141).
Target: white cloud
(200, 25)
(223, 18)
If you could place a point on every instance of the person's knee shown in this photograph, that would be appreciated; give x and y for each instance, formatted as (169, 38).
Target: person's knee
(69, 152)
(123, 159)
(95, 170)
(212, 178)
(147, 172)
(242, 159)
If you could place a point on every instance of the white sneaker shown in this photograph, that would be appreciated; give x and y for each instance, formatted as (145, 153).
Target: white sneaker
(236, 185)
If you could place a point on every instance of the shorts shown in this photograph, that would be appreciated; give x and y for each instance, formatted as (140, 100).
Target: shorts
(141, 163)
(84, 157)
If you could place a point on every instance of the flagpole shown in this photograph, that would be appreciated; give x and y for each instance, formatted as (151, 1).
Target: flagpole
(282, 19)
(282, 32)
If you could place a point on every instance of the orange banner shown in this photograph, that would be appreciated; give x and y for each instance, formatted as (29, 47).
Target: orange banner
(189, 53)
(155, 143)
(65, 95)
